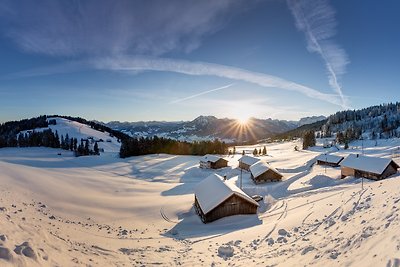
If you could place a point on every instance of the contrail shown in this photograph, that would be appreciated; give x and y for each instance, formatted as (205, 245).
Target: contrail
(135, 64)
(316, 19)
(202, 93)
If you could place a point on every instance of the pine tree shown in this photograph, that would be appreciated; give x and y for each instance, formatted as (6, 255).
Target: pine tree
(346, 144)
(96, 149)
(243, 152)
(264, 152)
(255, 151)
(309, 139)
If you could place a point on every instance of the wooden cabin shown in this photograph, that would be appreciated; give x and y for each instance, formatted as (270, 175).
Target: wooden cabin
(368, 167)
(246, 161)
(329, 160)
(213, 162)
(216, 198)
(262, 172)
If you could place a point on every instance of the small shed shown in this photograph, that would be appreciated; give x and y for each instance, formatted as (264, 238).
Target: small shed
(368, 167)
(213, 162)
(262, 172)
(246, 161)
(216, 198)
(329, 160)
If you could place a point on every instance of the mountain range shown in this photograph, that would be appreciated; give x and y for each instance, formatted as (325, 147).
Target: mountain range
(210, 127)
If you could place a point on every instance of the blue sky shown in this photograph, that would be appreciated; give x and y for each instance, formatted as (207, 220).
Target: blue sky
(176, 60)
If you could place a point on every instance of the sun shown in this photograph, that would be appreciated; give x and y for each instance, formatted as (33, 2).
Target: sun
(243, 120)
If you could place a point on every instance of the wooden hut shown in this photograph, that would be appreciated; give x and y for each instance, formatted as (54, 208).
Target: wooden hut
(262, 172)
(368, 167)
(216, 197)
(246, 161)
(329, 160)
(213, 162)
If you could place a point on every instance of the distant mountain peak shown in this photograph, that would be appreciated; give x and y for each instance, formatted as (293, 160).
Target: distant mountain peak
(311, 119)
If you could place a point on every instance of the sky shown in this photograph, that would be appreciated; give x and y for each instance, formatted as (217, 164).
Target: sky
(175, 60)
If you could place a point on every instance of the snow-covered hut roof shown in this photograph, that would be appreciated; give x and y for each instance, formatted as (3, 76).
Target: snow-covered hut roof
(330, 158)
(248, 160)
(210, 158)
(261, 167)
(213, 190)
(368, 164)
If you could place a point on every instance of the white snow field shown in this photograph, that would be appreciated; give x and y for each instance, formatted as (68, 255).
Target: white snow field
(79, 130)
(106, 211)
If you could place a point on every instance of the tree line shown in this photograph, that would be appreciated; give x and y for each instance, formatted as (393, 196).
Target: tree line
(154, 145)
(47, 138)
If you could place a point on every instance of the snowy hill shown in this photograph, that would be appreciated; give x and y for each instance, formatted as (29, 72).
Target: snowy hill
(82, 131)
(107, 211)
(382, 121)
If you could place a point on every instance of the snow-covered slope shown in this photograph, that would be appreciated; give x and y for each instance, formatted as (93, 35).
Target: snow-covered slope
(82, 131)
(106, 211)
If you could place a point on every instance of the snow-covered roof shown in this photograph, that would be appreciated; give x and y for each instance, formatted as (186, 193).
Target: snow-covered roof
(369, 164)
(212, 191)
(329, 158)
(261, 167)
(248, 160)
(210, 158)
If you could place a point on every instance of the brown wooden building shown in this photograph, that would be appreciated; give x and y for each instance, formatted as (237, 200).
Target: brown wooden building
(246, 161)
(216, 198)
(329, 160)
(262, 172)
(368, 167)
(213, 162)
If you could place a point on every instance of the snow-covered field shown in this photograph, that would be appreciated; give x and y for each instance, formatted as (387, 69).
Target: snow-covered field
(106, 211)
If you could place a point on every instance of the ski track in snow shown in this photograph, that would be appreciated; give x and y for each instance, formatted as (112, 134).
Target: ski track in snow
(106, 211)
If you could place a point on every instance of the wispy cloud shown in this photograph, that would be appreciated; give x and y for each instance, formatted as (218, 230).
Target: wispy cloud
(102, 27)
(199, 94)
(135, 64)
(316, 18)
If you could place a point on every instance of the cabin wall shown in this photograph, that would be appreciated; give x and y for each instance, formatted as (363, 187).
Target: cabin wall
(347, 172)
(232, 206)
(221, 163)
(244, 166)
(205, 164)
(390, 170)
(198, 209)
(331, 164)
(367, 175)
(268, 176)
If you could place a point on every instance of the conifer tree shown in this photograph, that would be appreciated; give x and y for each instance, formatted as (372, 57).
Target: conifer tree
(264, 152)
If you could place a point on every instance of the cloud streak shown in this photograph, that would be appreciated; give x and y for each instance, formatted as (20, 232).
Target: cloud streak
(135, 64)
(103, 27)
(316, 18)
(200, 94)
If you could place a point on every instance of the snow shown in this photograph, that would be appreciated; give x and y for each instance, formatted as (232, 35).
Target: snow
(363, 163)
(248, 160)
(260, 167)
(330, 158)
(82, 131)
(212, 191)
(106, 211)
(210, 158)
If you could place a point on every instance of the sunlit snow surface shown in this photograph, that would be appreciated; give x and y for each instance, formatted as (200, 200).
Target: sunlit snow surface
(107, 211)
